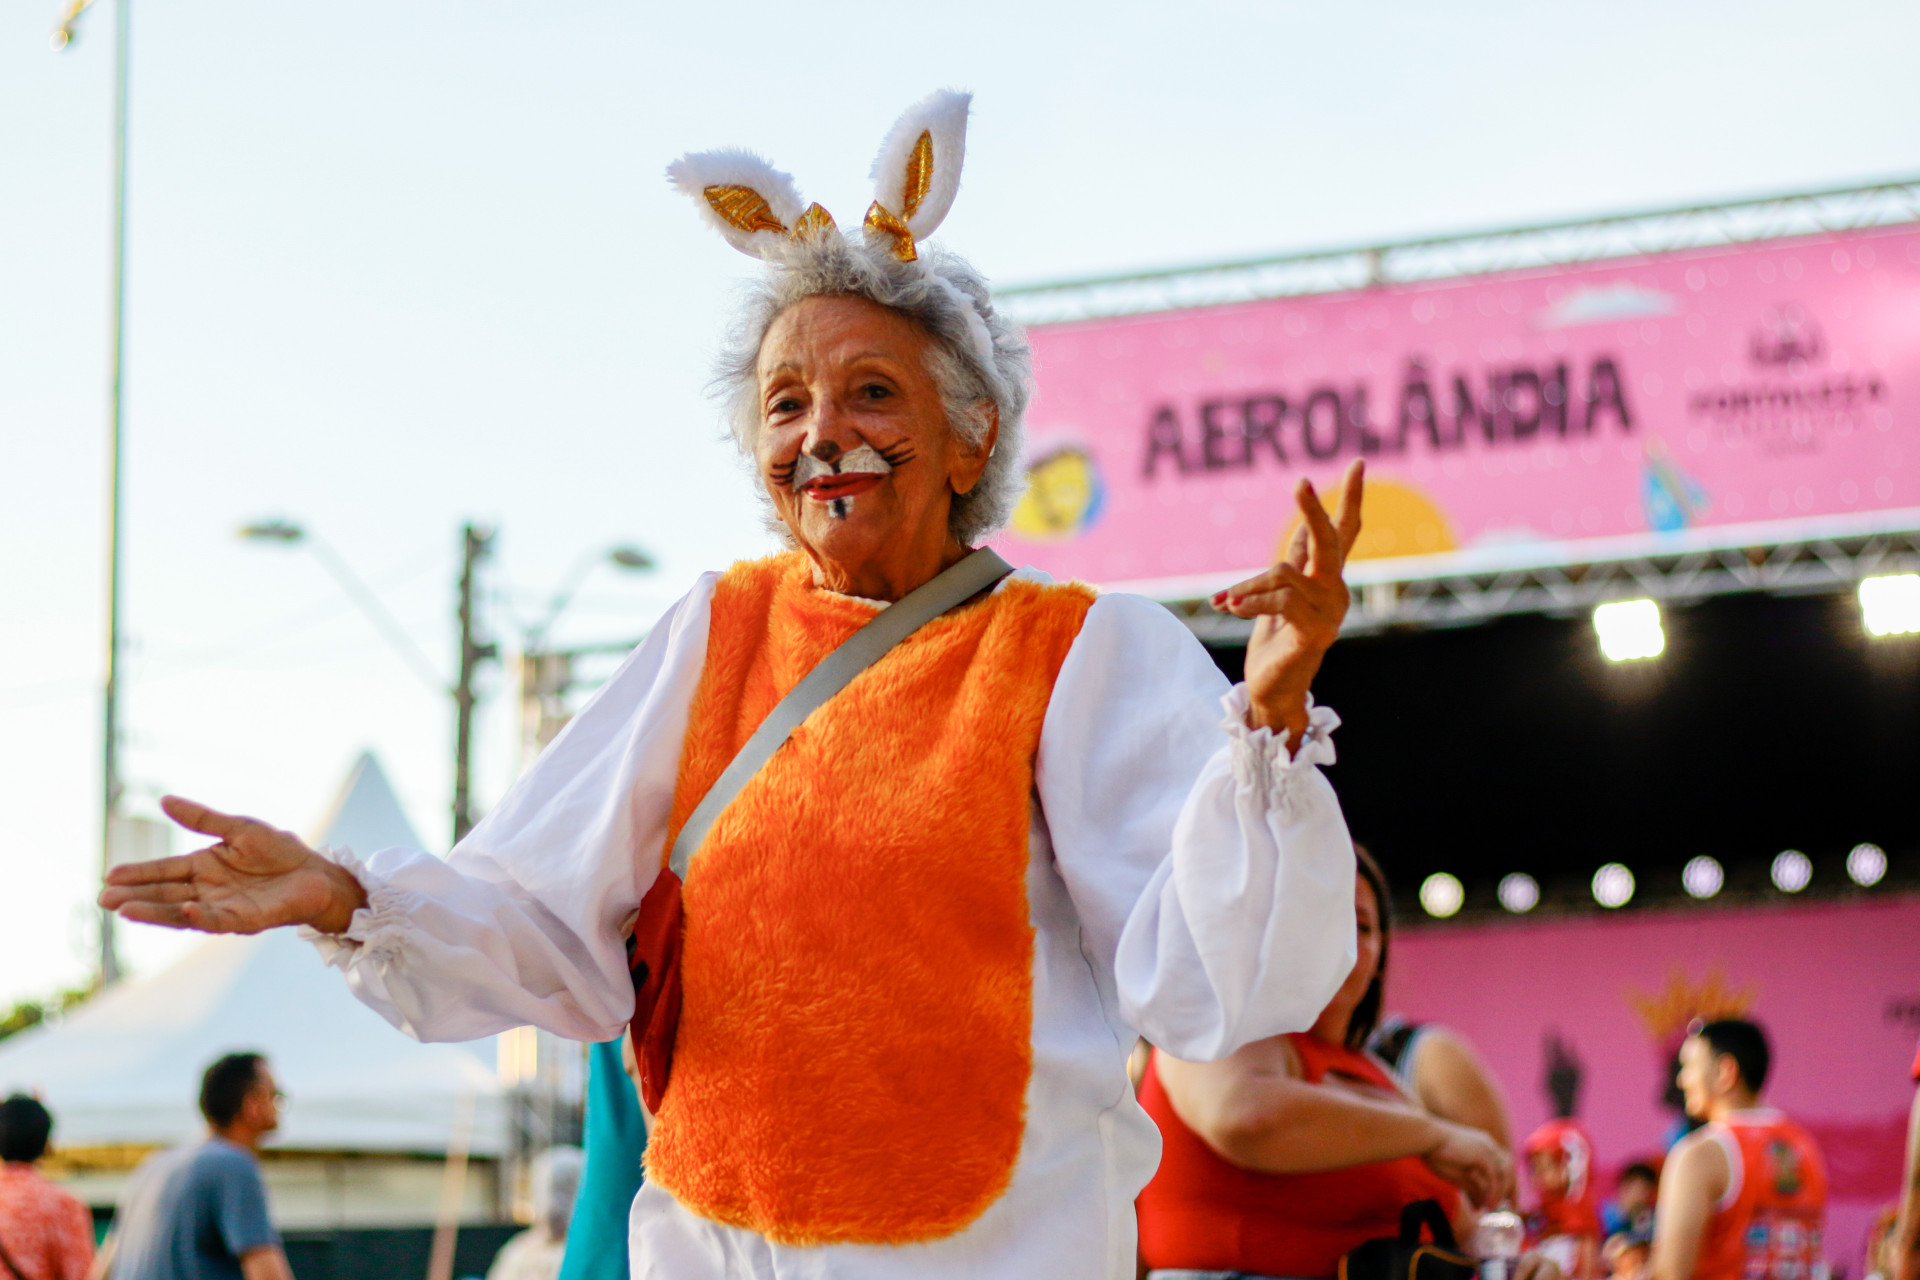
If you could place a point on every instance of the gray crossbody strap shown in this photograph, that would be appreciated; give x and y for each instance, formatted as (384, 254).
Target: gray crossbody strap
(951, 588)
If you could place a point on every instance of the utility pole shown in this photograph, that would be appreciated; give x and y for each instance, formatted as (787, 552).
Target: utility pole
(476, 543)
(110, 780)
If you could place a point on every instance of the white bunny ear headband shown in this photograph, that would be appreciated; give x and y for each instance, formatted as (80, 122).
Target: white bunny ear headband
(915, 176)
(759, 211)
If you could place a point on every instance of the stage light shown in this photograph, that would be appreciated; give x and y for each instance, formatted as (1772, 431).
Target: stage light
(1613, 886)
(1890, 605)
(1629, 629)
(1866, 865)
(1702, 877)
(1441, 895)
(1519, 892)
(1791, 871)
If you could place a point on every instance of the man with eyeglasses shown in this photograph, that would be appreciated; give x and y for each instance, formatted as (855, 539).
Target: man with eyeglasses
(199, 1212)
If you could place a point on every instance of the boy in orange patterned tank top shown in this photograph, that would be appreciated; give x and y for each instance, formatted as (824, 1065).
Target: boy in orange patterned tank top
(1745, 1196)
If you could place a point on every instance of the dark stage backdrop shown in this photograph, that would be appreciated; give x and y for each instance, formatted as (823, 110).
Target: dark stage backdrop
(1769, 723)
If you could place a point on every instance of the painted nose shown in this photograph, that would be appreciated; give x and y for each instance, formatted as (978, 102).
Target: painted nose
(825, 450)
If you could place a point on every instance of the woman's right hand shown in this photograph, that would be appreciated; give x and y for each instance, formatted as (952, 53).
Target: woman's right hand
(1473, 1162)
(256, 877)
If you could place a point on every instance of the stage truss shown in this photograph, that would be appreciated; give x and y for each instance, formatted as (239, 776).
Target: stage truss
(1627, 235)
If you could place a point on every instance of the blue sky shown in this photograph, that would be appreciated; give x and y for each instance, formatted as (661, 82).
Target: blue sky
(397, 266)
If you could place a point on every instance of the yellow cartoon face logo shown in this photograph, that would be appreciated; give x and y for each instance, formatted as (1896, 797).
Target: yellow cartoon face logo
(1396, 519)
(1063, 498)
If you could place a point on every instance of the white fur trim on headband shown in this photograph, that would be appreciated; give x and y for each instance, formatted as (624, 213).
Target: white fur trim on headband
(976, 326)
(695, 174)
(942, 116)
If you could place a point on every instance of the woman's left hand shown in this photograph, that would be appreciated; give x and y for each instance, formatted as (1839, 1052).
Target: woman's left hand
(1297, 606)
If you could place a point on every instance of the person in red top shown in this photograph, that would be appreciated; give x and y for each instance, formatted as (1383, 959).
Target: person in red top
(1566, 1223)
(1283, 1156)
(45, 1233)
(1905, 1245)
(1744, 1197)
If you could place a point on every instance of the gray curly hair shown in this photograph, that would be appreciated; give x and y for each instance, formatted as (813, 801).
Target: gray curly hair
(937, 292)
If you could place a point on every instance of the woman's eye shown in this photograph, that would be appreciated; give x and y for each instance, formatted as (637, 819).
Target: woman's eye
(785, 404)
(874, 391)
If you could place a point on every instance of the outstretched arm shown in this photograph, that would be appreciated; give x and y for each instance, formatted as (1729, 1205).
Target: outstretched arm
(254, 877)
(524, 922)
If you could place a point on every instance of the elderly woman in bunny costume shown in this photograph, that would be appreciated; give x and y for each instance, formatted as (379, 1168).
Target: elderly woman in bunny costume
(919, 934)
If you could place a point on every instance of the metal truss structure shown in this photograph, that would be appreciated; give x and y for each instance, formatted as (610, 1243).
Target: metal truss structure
(1815, 566)
(1626, 235)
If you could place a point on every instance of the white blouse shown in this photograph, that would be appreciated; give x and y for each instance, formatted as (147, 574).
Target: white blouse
(1187, 882)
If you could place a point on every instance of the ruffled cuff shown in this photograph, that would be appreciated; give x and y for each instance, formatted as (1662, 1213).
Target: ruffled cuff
(375, 931)
(1260, 760)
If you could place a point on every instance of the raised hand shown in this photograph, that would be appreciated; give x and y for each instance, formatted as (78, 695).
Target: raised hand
(255, 878)
(1297, 606)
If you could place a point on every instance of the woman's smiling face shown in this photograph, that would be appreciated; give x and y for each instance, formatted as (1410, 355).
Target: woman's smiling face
(855, 449)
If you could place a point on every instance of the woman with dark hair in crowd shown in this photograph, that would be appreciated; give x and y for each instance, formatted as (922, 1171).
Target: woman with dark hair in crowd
(1283, 1156)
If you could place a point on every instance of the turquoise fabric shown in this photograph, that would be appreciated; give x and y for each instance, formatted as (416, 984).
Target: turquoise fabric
(616, 1137)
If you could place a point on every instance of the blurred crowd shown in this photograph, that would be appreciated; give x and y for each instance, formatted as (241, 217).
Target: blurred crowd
(1294, 1157)
(1288, 1157)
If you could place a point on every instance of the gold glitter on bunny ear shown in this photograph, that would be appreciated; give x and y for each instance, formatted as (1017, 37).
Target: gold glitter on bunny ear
(745, 208)
(814, 222)
(919, 174)
(881, 222)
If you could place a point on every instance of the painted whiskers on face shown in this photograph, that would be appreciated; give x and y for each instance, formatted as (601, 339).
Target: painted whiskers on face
(839, 482)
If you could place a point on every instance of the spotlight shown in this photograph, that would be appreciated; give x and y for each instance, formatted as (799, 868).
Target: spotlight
(1702, 877)
(1613, 886)
(1890, 605)
(1866, 865)
(1519, 892)
(1629, 629)
(1791, 871)
(1442, 895)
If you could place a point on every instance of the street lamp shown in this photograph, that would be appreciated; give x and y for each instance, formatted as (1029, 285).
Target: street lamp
(475, 542)
(625, 556)
(546, 675)
(289, 534)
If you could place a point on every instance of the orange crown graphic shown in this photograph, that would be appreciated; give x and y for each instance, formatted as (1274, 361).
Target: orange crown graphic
(1665, 1014)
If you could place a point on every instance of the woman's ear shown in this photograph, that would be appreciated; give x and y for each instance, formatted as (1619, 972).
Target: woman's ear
(970, 462)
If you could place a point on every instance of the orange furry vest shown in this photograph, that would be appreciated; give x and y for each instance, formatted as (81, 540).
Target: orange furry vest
(855, 1040)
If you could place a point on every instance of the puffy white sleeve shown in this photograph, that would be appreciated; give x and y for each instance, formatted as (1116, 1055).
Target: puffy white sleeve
(525, 922)
(1213, 874)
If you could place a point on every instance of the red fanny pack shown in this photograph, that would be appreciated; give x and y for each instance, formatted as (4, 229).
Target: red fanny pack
(658, 933)
(656, 985)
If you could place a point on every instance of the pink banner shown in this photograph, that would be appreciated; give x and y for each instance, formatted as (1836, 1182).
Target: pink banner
(1718, 397)
(1837, 987)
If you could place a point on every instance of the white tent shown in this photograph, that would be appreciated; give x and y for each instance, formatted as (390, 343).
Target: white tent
(124, 1068)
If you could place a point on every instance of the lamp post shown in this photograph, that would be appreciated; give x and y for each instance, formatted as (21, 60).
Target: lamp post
(546, 674)
(476, 543)
(110, 788)
(472, 652)
(293, 535)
